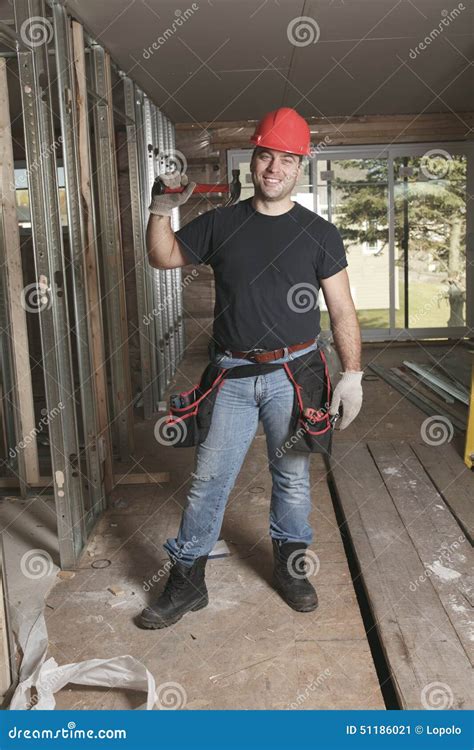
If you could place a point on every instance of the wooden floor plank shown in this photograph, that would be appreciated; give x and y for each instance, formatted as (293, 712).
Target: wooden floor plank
(447, 558)
(453, 480)
(419, 640)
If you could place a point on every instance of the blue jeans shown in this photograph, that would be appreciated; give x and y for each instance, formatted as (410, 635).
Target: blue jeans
(239, 405)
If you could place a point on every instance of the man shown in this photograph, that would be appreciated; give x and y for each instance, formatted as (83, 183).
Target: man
(266, 252)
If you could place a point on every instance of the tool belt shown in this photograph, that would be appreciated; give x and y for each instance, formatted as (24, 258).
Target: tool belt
(190, 414)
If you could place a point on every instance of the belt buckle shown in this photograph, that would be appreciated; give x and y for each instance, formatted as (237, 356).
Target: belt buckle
(251, 352)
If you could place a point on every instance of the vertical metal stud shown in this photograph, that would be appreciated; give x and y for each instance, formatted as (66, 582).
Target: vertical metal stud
(172, 272)
(177, 275)
(161, 285)
(145, 315)
(167, 279)
(161, 344)
(143, 171)
(77, 242)
(50, 269)
(111, 244)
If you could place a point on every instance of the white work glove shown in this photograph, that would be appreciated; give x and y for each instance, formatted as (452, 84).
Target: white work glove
(347, 392)
(163, 205)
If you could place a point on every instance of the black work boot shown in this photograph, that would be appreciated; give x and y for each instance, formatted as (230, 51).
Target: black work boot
(185, 590)
(289, 576)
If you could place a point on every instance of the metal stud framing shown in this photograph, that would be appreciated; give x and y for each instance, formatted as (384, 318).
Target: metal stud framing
(112, 257)
(51, 276)
(133, 102)
(158, 291)
(160, 340)
(177, 276)
(166, 276)
(171, 274)
(79, 495)
(91, 259)
(77, 242)
(147, 286)
(162, 286)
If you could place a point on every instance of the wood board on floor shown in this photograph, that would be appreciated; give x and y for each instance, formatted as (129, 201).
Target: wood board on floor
(452, 479)
(419, 602)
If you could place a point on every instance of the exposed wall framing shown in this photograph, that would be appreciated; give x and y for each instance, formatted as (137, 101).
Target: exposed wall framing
(79, 274)
(111, 247)
(91, 262)
(18, 394)
(69, 488)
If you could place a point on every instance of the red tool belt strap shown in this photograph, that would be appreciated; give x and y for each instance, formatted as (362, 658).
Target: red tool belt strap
(192, 399)
(314, 421)
(264, 356)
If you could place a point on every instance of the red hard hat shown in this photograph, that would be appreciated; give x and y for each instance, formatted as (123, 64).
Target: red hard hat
(283, 130)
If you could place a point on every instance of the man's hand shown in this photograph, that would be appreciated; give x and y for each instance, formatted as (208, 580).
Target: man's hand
(162, 204)
(347, 392)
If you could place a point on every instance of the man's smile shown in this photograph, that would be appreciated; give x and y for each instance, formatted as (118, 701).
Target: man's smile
(271, 181)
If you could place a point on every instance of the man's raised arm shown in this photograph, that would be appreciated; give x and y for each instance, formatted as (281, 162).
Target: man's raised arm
(164, 250)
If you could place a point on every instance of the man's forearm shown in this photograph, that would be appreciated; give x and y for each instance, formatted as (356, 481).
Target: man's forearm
(160, 240)
(347, 339)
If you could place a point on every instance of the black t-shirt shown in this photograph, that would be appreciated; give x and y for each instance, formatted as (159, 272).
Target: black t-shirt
(267, 271)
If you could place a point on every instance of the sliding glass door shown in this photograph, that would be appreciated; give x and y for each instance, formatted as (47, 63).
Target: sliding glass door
(429, 201)
(405, 213)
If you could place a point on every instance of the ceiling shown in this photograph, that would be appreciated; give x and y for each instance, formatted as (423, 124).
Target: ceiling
(227, 60)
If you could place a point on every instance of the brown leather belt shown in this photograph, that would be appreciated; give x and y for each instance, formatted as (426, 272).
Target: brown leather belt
(262, 356)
